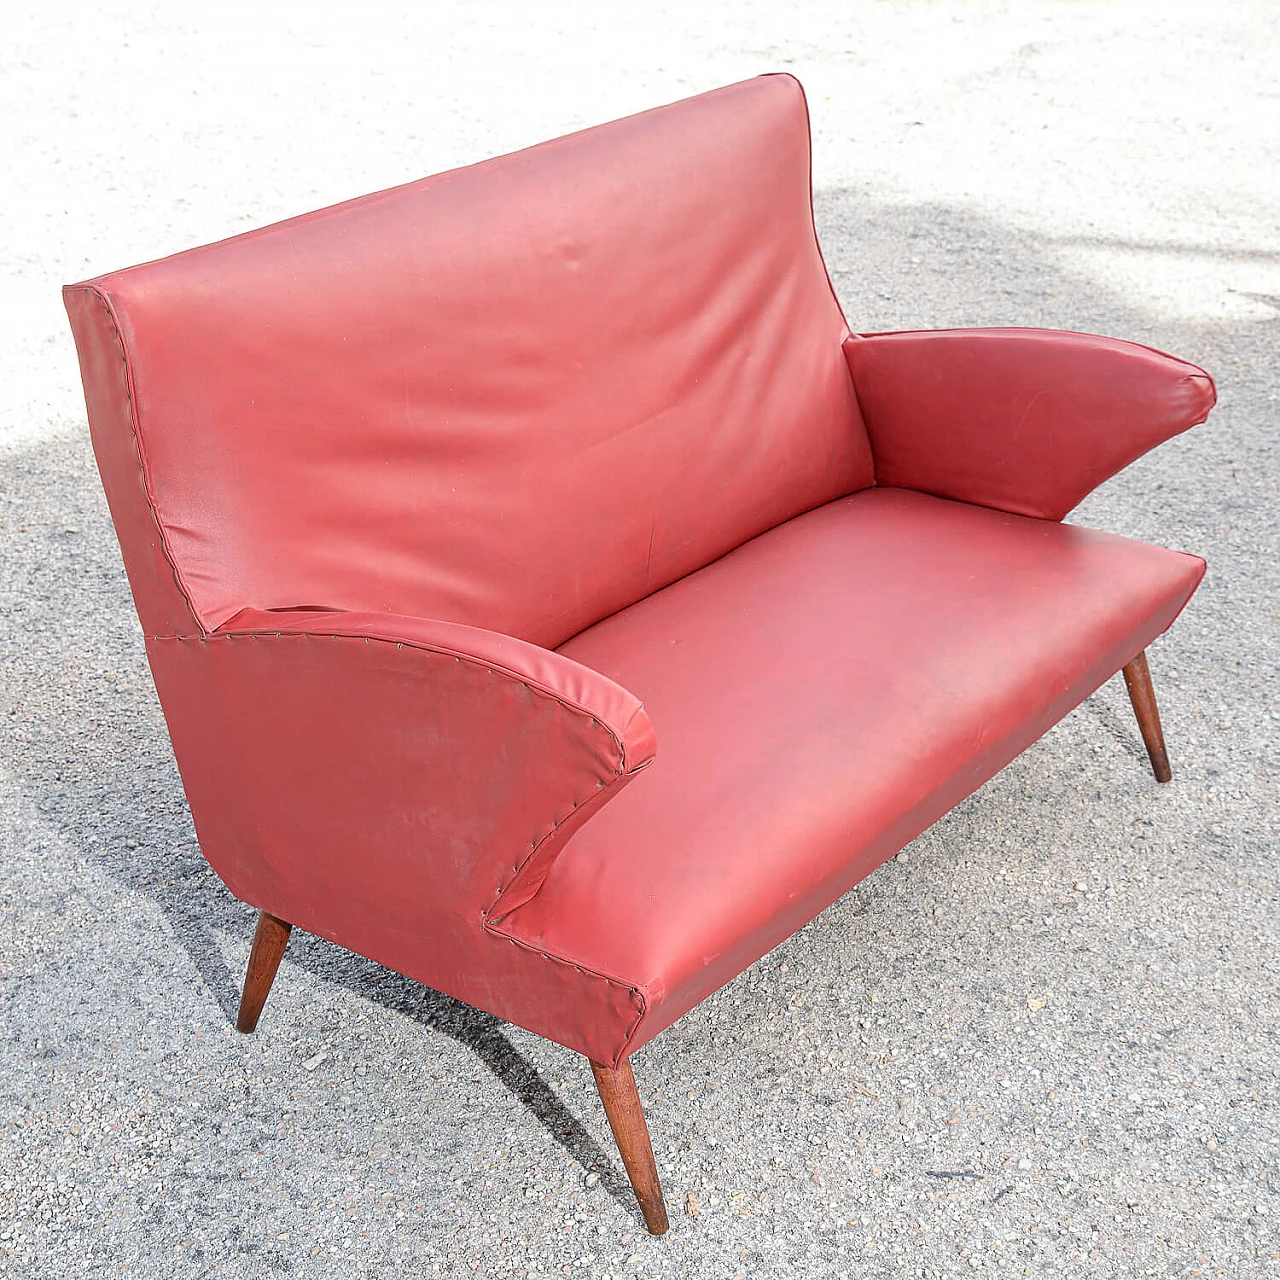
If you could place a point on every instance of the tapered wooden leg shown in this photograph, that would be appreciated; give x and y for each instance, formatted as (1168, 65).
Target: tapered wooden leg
(1137, 678)
(269, 940)
(622, 1105)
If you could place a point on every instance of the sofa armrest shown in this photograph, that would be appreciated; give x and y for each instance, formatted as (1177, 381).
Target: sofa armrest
(357, 771)
(1023, 420)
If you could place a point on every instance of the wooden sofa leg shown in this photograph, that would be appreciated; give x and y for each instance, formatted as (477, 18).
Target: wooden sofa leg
(622, 1105)
(269, 940)
(1137, 678)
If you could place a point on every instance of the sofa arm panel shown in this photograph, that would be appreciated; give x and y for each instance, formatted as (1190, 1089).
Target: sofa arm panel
(1023, 420)
(358, 774)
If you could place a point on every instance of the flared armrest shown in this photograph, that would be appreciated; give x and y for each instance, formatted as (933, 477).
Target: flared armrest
(1023, 420)
(390, 768)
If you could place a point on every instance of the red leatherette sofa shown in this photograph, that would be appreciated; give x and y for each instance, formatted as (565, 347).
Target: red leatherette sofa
(552, 600)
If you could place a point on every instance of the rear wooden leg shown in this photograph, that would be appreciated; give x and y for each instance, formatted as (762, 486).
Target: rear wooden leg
(269, 940)
(1137, 678)
(622, 1105)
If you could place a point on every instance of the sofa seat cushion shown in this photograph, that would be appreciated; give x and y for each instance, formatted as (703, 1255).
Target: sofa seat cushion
(821, 695)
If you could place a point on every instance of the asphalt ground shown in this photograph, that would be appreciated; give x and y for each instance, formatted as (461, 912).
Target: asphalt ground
(1042, 1041)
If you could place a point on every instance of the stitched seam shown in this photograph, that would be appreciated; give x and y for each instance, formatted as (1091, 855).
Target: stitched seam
(423, 647)
(582, 968)
(487, 913)
(132, 396)
(630, 721)
(619, 769)
(485, 925)
(635, 1026)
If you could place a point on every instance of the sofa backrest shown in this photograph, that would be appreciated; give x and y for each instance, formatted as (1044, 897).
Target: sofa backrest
(520, 395)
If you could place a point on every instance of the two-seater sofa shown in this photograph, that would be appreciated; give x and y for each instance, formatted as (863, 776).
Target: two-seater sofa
(550, 599)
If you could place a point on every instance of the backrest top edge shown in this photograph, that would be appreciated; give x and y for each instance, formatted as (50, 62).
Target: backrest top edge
(104, 281)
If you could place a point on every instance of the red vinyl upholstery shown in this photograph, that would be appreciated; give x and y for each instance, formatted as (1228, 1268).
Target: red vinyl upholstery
(479, 398)
(1024, 420)
(447, 508)
(388, 782)
(834, 687)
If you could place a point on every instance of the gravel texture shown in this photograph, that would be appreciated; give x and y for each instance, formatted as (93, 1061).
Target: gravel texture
(1042, 1041)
